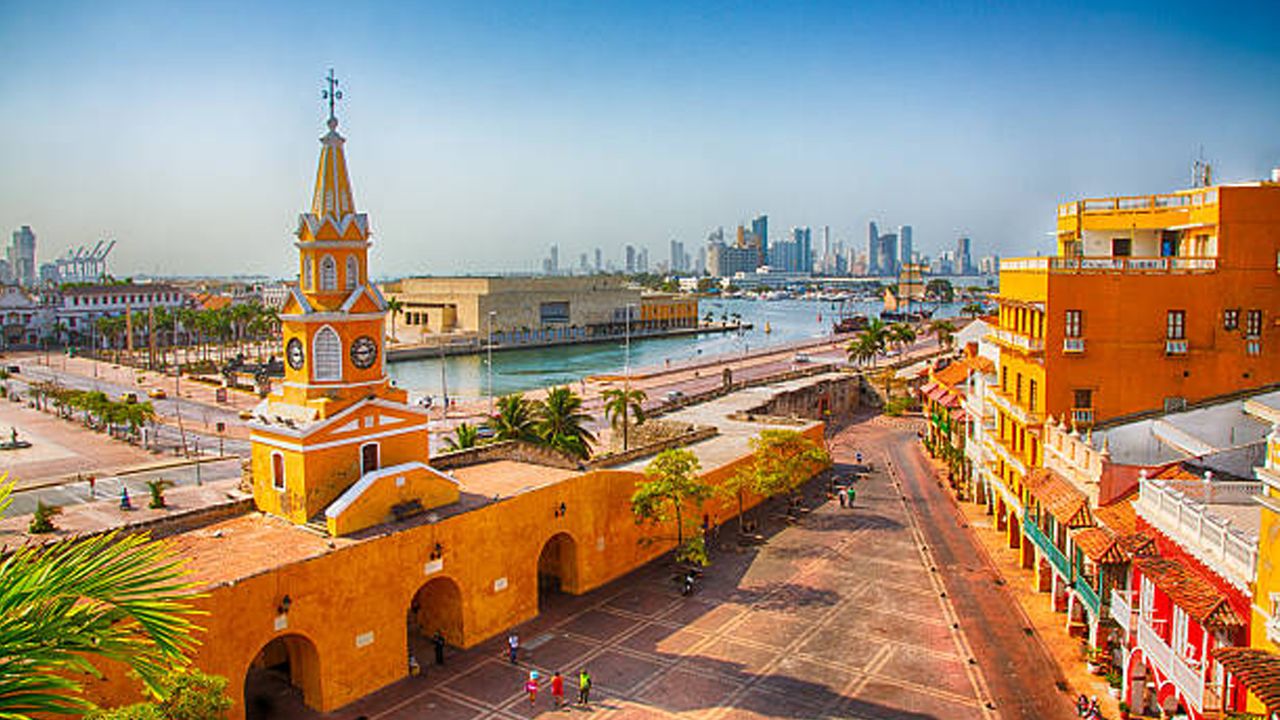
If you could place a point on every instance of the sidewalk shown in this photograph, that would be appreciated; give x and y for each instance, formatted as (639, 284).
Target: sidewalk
(1037, 610)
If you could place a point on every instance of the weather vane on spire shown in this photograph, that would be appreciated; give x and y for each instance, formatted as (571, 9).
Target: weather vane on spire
(333, 94)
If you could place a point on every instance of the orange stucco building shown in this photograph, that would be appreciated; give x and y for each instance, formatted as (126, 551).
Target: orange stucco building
(362, 549)
(1150, 303)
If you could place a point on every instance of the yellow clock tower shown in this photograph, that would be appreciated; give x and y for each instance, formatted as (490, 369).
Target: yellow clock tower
(337, 443)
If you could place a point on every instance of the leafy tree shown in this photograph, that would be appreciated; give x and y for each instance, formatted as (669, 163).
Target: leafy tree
(671, 481)
(940, 290)
(465, 436)
(561, 424)
(114, 596)
(395, 306)
(184, 695)
(971, 309)
(514, 420)
(621, 405)
(157, 488)
(901, 334)
(781, 460)
(945, 331)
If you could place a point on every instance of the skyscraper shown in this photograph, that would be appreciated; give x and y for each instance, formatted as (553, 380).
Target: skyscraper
(873, 250)
(631, 259)
(599, 260)
(964, 261)
(555, 259)
(678, 257)
(760, 226)
(889, 254)
(22, 256)
(904, 245)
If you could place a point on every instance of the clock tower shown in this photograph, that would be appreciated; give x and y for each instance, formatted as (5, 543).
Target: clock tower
(336, 425)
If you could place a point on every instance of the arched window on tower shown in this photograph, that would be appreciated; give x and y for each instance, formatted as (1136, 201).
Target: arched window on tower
(353, 272)
(328, 355)
(328, 273)
(306, 273)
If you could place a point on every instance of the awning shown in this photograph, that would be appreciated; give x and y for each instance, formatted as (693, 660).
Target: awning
(1197, 597)
(1258, 670)
(1067, 505)
(1099, 546)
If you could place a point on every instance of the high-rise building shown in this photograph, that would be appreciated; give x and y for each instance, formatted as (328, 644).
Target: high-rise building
(679, 260)
(873, 249)
(599, 260)
(904, 246)
(803, 238)
(630, 259)
(555, 259)
(889, 254)
(22, 257)
(760, 226)
(642, 260)
(963, 260)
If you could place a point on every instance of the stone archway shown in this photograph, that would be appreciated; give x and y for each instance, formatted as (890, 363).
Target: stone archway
(435, 607)
(558, 566)
(282, 678)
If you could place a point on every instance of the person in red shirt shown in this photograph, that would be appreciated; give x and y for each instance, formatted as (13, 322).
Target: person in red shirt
(557, 689)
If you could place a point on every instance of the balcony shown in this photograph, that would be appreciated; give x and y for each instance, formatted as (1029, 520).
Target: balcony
(999, 450)
(1139, 203)
(1175, 347)
(1122, 610)
(1012, 408)
(1017, 341)
(1046, 546)
(1110, 265)
(1179, 510)
(1082, 416)
(1089, 596)
(1073, 346)
(1188, 679)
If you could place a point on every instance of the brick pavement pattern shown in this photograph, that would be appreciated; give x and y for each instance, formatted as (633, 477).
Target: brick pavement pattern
(837, 616)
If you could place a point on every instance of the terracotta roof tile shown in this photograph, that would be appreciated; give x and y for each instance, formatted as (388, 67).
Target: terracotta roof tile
(952, 375)
(1258, 670)
(1195, 595)
(1063, 501)
(1100, 546)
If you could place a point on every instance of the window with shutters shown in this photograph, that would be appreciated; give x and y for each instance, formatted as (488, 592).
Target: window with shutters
(328, 355)
(1176, 325)
(328, 274)
(1073, 326)
(1253, 323)
(353, 272)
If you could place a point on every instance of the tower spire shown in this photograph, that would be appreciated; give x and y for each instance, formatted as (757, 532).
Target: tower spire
(333, 94)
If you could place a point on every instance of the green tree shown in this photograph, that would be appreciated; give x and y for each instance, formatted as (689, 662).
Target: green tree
(901, 334)
(395, 306)
(561, 424)
(945, 331)
(971, 309)
(157, 488)
(861, 349)
(870, 342)
(514, 419)
(621, 406)
(184, 695)
(670, 482)
(939, 290)
(781, 460)
(115, 596)
(465, 436)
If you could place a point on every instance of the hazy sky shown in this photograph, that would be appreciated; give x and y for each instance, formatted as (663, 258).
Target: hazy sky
(481, 132)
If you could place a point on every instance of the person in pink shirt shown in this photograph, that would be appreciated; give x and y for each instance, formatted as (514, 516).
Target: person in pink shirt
(531, 687)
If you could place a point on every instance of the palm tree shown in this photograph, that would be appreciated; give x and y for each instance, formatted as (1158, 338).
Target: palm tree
(561, 424)
(870, 342)
(514, 420)
(394, 306)
(114, 596)
(972, 309)
(902, 334)
(944, 330)
(464, 436)
(861, 349)
(620, 406)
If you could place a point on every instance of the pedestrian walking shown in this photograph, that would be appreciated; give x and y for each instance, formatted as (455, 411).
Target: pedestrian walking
(840, 493)
(513, 646)
(557, 689)
(531, 687)
(584, 687)
(852, 493)
(438, 641)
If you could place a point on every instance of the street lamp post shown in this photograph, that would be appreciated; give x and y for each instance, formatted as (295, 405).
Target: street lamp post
(489, 358)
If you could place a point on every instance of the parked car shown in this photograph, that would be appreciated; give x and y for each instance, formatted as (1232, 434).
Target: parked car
(802, 358)
(157, 393)
(674, 396)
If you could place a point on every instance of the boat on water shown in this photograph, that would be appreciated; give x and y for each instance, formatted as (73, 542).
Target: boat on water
(848, 322)
(903, 311)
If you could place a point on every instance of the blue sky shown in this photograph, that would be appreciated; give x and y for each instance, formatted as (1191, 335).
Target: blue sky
(480, 133)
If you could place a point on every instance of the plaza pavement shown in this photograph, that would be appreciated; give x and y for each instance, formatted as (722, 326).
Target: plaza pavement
(836, 616)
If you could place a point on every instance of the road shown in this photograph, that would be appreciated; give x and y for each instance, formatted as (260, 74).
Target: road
(108, 486)
(1023, 680)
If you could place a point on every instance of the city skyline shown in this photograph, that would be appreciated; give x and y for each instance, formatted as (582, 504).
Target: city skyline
(586, 128)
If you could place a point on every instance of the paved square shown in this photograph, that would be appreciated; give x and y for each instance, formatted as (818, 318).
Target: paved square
(836, 616)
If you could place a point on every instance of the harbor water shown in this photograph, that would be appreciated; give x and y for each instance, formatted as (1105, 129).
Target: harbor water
(773, 323)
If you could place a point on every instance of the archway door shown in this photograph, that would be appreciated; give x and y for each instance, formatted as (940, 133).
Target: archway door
(435, 607)
(558, 566)
(283, 677)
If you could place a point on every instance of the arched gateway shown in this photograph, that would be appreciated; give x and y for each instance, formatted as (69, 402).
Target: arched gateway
(284, 676)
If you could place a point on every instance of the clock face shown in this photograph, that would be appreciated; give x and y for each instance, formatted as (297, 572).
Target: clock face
(294, 354)
(364, 352)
